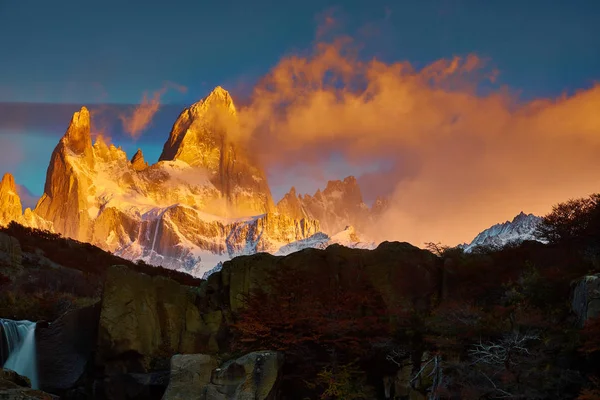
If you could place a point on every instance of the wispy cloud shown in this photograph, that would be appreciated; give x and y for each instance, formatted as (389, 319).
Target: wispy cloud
(141, 117)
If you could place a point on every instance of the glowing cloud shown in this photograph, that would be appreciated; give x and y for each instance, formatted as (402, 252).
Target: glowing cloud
(461, 161)
(142, 115)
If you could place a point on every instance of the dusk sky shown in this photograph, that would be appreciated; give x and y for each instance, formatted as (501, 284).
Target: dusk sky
(60, 55)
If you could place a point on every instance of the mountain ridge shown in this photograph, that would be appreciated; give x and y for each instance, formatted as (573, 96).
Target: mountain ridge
(203, 202)
(521, 228)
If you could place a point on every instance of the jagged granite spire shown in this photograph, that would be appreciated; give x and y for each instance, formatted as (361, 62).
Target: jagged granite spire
(207, 135)
(137, 161)
(10, 202)
(65, 199)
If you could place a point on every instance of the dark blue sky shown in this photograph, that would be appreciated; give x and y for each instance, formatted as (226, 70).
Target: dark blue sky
(111, 51)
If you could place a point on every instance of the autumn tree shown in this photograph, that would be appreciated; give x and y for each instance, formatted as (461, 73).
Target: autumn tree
(327, 319)
(575, 219)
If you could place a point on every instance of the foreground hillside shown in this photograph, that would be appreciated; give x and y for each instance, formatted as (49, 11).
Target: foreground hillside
(339, 323)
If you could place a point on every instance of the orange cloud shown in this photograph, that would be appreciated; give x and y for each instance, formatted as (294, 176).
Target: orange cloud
(142, 115)
(462, 161)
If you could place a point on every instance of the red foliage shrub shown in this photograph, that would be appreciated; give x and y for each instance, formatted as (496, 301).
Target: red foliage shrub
(298, 314)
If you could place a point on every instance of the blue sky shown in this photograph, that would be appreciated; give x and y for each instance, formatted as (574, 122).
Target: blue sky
(76, 53)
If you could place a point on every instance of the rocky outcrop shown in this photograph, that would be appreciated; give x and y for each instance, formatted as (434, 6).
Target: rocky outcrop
(11, 255)
(65, 347)
(32, 220)
(10, 202)
(383, 266)
(190, 374)
(339, 205)
(252, 376)
(207, 135)
(16, 387)
(144, 320)
(68, 181)
(137, 161)
(586, 298)
(291, 205)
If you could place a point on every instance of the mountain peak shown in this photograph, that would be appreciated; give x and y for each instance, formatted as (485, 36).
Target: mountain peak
(206, 135)
(220, 92)
(78, 138)
(522, 227)
(10, 202)
(208, 121)
(348, 183)
(217, 100)
(137, 161)
(8, 183)
(350, 180)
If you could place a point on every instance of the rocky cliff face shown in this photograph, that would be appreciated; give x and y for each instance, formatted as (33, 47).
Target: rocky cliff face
(137, 161)
(11, 208)
(69, 181)
(339, 205)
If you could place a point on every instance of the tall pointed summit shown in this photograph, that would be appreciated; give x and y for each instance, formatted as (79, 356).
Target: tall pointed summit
(10, 202)
(207, 135)
(64, 202)
(78, 138)
(137, 161)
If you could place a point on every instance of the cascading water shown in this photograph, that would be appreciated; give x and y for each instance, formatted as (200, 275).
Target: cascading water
(18, 339)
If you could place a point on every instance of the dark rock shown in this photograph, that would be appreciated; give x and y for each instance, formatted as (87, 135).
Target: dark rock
(133, 386)
(254, 376)
(16, 387)
(586, 298)
(65, 347)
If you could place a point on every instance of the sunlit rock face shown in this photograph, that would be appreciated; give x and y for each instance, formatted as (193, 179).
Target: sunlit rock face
(69, 181)
(203, 202)
(10, 202)
(137, 161)
(207, 135)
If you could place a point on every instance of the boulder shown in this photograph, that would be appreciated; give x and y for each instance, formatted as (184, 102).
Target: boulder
(144, 320)
(190, 375)
(16, 387)
(586, 298)
(252, 376)
(65, 346)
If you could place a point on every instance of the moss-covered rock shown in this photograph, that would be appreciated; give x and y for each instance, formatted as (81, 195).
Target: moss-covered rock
(253, 376)
(144, 320)
(586, 298)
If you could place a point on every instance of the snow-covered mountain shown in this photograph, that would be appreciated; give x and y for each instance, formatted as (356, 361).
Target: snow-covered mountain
(205, 201)
(521, 228)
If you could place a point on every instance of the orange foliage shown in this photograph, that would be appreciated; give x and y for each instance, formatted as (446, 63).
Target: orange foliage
(328, 312)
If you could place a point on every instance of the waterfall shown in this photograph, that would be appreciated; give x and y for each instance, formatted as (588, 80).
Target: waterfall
(18, 338)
